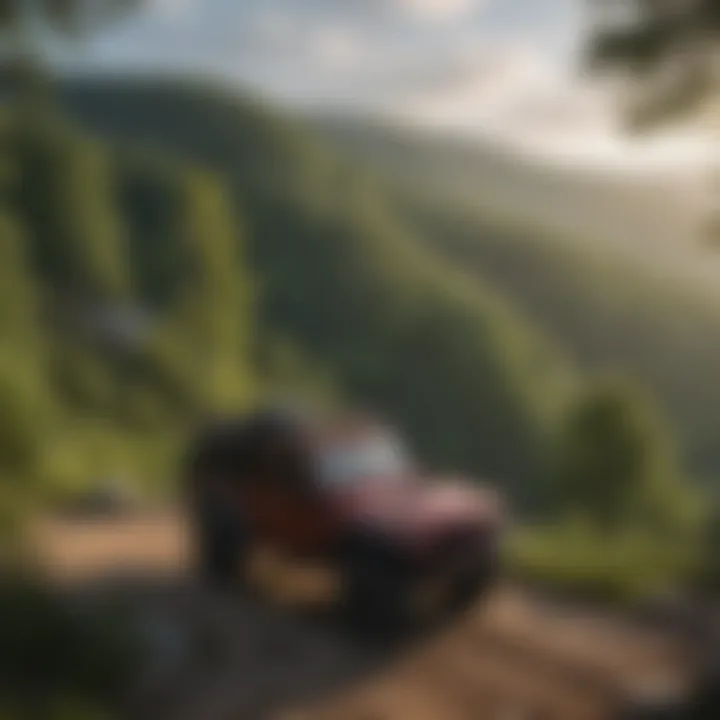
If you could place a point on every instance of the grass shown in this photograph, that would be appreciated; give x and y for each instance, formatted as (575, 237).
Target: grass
(578, 560)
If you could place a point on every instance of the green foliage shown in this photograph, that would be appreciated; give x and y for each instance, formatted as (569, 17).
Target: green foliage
(25, 411)
(213, 308)
(668, 48)
(19, 301)
(654, 31)
(548, 241)
(614, 457)
(624, 523)
(611, 316)
(56, 658)
(20, 424)
(67, 199)
(285, 372)
(573, 556)
(710, 573)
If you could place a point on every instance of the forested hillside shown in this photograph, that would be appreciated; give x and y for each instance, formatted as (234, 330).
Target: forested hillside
(607, 315)
(649, 218)
(342, 277)
(111, 344)
(611, 307)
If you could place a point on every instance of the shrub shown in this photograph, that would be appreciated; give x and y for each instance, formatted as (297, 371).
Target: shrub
(54, 655)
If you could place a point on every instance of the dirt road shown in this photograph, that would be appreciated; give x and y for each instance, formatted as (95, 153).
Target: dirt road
(514, 657)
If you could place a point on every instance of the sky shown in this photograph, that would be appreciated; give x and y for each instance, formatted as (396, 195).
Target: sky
(499, 69)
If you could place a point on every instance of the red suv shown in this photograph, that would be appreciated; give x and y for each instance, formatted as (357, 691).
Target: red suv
(345, 491)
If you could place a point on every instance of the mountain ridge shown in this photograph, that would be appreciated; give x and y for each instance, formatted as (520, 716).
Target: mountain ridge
(449, 360)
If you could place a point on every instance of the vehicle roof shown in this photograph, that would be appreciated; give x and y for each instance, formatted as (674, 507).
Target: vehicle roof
(222, 439)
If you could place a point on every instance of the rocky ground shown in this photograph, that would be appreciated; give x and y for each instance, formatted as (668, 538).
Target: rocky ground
(211, 657)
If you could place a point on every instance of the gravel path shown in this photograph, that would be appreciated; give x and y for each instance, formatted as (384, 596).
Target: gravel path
(239, 658)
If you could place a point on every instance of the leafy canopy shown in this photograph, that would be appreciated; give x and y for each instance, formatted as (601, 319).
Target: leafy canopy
(668, 47)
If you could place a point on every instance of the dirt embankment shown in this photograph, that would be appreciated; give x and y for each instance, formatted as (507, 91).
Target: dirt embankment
(231, 658)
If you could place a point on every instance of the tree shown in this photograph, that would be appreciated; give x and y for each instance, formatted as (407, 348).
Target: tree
(24, 29)
(65, 190)
(668, 49)
(19, 295)
(215, 293)
(615, 459)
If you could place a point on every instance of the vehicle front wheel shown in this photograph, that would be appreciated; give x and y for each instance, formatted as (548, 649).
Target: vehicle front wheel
(470, 589)
(375, 590)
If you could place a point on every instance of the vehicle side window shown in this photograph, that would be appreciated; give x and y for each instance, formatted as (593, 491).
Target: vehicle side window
(271, 454)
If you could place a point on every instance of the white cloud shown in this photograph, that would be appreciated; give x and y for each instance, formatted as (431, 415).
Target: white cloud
(517, 97)
(337, 46)
(441, 62)
(307, 45)
(438, 10)
(173, 9)
(513, 91)
(269, 27)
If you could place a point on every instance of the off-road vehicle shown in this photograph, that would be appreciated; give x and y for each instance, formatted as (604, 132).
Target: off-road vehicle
(342, 491)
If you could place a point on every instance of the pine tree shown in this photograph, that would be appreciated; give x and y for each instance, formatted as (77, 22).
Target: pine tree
(24, 397)
(212, 312)
(66, 193)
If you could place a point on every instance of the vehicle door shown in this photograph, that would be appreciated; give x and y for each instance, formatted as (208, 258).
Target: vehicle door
(290, 512)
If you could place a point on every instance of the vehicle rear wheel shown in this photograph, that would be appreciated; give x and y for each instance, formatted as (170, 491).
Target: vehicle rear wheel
(469, 589)
(386, 595)
(220, 544)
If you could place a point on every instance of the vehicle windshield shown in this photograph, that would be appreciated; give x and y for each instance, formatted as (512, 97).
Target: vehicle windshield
(345, 464)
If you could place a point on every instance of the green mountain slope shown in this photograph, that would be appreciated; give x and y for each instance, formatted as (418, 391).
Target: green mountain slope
(569, 267)
(343, 277)
(98, 374)
(645, 220)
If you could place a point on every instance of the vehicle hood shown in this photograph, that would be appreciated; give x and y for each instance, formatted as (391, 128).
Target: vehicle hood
(425, 510)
